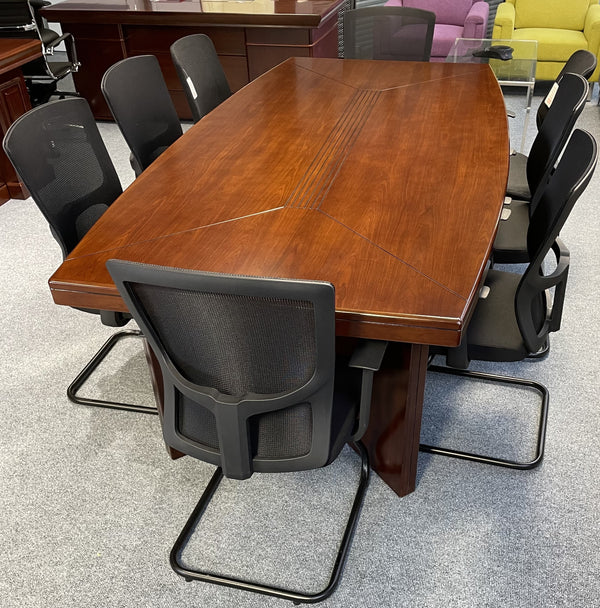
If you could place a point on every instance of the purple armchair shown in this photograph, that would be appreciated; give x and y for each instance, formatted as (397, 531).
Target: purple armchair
(453, 19)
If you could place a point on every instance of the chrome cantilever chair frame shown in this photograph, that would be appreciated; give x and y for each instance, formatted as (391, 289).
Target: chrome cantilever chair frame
(23, 23)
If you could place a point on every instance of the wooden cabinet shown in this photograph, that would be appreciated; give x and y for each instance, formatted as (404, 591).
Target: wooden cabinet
(250, 37)
(14, 101)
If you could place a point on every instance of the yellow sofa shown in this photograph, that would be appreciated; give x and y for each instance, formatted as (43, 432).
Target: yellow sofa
(561, 27)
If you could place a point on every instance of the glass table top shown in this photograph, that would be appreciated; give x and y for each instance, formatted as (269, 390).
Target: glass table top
(519, 69)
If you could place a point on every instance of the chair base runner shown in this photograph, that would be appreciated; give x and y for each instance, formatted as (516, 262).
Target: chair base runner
(88, 370)
(540, 388)
(294, 596)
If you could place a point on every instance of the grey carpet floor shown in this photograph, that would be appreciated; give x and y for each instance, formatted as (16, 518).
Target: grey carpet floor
(90, 503)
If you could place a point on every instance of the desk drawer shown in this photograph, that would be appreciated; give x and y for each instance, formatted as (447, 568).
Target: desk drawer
(150, 39)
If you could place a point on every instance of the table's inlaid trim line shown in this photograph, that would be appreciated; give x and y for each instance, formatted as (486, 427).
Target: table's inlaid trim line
(317, 180)
(396, 257)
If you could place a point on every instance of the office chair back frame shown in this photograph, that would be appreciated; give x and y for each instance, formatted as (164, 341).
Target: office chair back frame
(232, 412)
(363, 29)
(72, 180)
(312, 385)
(139, 100)
(200, 73)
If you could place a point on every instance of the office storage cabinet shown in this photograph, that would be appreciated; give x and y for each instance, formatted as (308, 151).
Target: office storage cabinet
(250, 38)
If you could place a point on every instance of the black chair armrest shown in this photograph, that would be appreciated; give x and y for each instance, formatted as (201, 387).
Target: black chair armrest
(70, 46)
(562, 268)
(368, 355)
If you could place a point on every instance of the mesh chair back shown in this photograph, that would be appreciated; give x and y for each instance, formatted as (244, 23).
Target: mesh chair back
(139, 101)
(565, 186)
(388, 32)
(248, 365)
(580, 62)
(200, 73)
(565, 108)
(57, 151)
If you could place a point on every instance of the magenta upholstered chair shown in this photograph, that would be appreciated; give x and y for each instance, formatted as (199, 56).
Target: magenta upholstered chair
(454, 19)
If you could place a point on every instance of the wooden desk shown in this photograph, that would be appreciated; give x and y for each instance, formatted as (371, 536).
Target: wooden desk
(250, 37)
(385, 178)
(14, 101)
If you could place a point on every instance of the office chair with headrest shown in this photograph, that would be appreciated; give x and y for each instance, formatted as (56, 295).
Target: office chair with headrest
(57, 151)
(20, 19)
(510, 244)
(200, 73)
(515, 313)
(581, 62)
(138, 98)
(388, 33)
(251, 382)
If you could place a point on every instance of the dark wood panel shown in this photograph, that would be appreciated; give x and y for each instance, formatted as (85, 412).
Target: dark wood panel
(108, 33)
(147, 39)
(96, 54)
(186, 13)
(281, 36)
(14, 101)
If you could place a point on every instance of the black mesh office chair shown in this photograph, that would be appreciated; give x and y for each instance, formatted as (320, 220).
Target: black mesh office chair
(138, 98)
(516, 313)
(389, 33)
(57, 151)
(582, 63)
(251, 382)
(20, 19)
(510, 245)
(201, 74)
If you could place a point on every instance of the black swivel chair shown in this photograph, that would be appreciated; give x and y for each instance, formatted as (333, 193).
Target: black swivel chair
(581, 62)
(21, 19)
(57, 151)
(510, 245)
(201, 74)
(138, 98)
(389, 33)
(251, 382)
(515, 313)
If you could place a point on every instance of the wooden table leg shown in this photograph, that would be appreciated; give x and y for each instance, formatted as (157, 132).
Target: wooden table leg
(392, 437)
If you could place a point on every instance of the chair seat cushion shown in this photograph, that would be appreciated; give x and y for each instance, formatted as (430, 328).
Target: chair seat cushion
(444, 37)
(517, 186)
(493, 332)
(510, 245)
(553, 44)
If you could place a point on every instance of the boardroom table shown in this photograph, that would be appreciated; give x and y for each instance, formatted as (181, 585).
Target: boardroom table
(385, 178)
(250, 36)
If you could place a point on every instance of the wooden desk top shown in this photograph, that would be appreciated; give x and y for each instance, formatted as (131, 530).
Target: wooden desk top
(15, 52)
(385, 178)
(192, 12)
